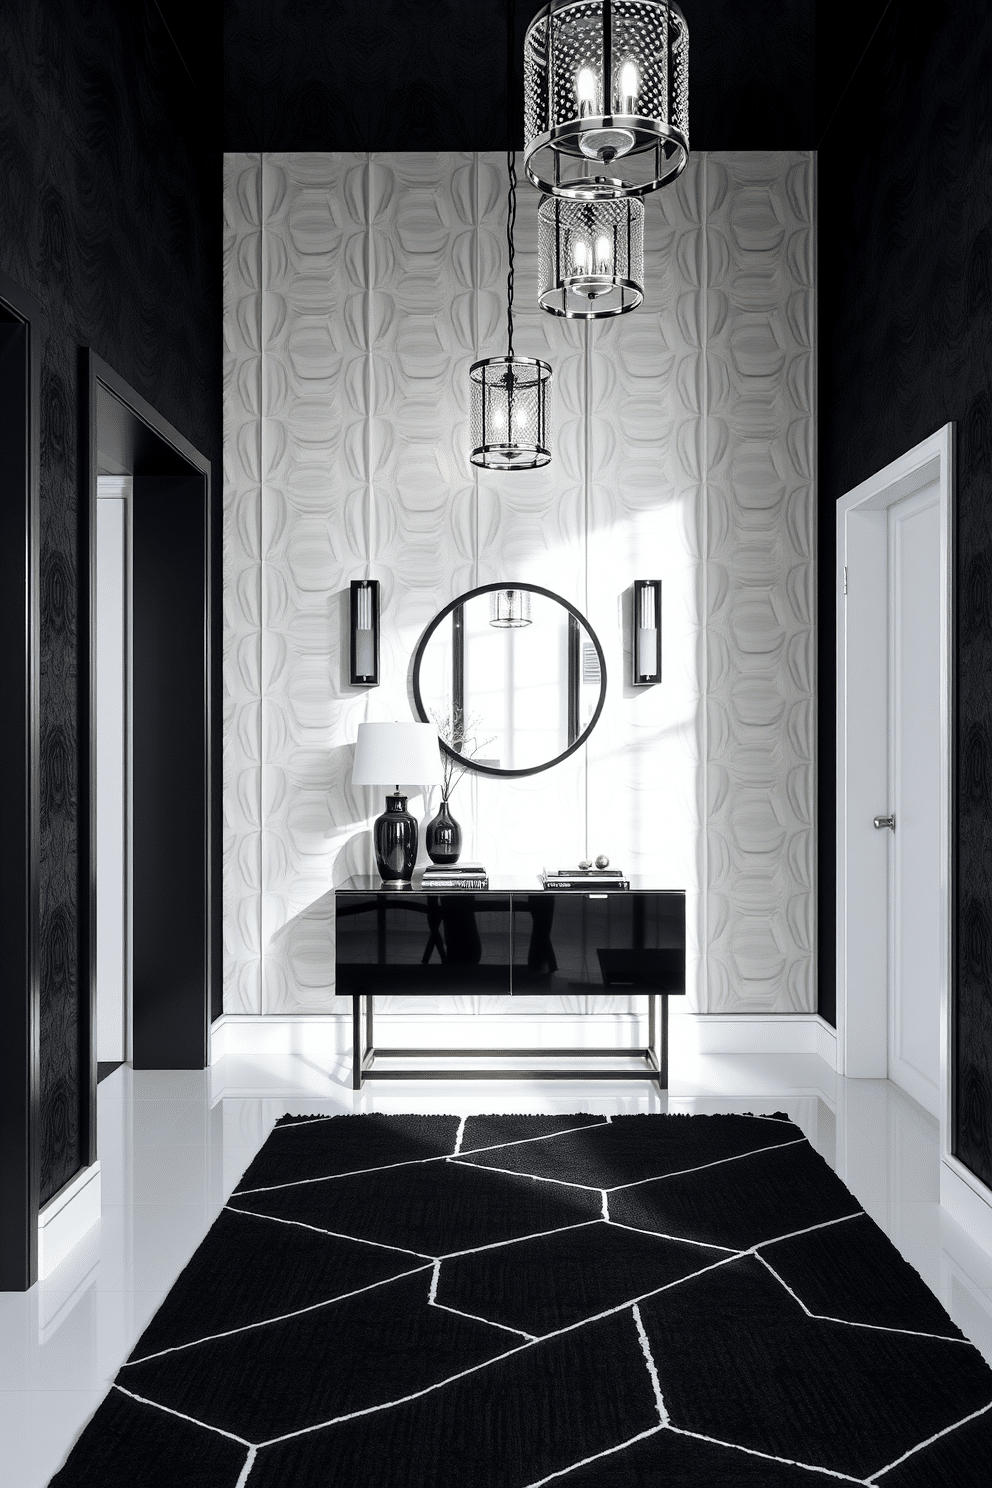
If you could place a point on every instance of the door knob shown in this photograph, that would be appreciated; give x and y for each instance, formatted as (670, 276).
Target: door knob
(885, 821)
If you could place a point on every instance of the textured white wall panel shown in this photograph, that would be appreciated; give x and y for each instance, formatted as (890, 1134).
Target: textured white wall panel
(242, 584)
(358, 291)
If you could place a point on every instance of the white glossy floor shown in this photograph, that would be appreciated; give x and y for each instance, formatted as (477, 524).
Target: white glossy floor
(173, 1145)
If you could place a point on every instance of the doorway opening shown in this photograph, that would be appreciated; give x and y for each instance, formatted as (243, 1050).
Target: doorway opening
(894, 673)
(149, 855)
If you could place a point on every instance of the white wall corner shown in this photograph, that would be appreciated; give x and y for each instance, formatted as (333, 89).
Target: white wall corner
(967, 1201)
(65, 1219)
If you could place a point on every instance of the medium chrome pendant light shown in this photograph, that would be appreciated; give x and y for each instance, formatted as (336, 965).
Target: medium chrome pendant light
(590, 254)
(606, 82)
(511, 395)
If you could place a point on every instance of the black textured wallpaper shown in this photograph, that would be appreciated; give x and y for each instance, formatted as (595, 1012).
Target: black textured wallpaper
(110, 215)
(905, 305)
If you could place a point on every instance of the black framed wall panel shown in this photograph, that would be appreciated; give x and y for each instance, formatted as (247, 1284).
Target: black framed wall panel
(20, 1139)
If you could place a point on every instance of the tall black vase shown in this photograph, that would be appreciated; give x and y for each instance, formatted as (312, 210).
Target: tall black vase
(443, 837)
(395, 838)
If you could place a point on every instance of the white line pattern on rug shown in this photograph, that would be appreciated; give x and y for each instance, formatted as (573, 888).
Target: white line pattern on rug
(246, 1470)
(218, 1430)
(717, 1441)
(452, 1255)
(929, 1442)
(524, 1177)
(472, 1316)
(652, 1370)
(335, 1234)
(596, 1457)
(824, 1224)
(682, 1239)
(497, 1358)
(414, 1162)
(281, 1318)
(719, 1162)
(824, 1317)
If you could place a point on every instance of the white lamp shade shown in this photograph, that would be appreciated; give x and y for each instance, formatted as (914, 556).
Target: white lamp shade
(397, 754)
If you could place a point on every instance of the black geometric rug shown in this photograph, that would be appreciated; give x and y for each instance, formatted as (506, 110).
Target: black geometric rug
(513, 1301)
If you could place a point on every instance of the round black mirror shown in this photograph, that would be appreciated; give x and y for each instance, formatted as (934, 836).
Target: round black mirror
(517, 671)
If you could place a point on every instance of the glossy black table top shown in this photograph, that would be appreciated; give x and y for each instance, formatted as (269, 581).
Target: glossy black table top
(514, 883)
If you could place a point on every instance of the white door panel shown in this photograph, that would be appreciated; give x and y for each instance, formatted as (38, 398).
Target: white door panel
(914, 796)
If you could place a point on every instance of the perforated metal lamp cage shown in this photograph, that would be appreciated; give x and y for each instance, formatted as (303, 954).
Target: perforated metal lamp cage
(606, 82)
(590, 256)
(511, 413)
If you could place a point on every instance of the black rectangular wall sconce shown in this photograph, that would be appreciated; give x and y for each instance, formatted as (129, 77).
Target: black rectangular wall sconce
(365, 632)
(646, 632)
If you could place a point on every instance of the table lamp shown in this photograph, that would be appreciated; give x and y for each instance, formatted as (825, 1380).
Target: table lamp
(387, 754)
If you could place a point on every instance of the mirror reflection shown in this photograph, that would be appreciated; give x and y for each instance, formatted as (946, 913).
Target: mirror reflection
(523, 671)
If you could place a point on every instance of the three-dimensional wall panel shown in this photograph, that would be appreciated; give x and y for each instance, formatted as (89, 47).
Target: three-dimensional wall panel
(359, 288)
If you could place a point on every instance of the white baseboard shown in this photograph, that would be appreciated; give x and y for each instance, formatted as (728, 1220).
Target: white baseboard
(65, 1219)
(765, 1033)
(328, 1035)
(967, 1201)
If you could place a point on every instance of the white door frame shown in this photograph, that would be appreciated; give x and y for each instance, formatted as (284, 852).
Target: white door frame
(862, 783)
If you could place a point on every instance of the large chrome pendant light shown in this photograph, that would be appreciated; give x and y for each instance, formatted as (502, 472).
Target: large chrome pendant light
(606, 89)
(590, 254)
(511, 395)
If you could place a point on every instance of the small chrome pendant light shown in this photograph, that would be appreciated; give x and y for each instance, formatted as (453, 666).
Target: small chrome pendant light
(509, 609)
(606, 82)
(590, 254)
(511, 395)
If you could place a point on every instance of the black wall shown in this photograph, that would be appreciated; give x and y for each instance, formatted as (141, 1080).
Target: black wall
(110, 215)
(905, 316)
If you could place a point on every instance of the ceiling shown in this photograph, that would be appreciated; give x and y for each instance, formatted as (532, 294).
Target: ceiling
(431, 74)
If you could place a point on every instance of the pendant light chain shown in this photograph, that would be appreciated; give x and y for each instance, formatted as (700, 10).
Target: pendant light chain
(511, 395)
(511, 171)
(511, 218)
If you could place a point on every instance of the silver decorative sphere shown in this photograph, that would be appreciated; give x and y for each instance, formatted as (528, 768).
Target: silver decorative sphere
(585, 863)
(602, 861)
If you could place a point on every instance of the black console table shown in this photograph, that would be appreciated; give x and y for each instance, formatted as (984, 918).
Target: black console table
(508, 939)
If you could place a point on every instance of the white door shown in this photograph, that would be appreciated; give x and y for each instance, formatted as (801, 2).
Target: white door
(914, 796)
(112, 768)
(893, 760)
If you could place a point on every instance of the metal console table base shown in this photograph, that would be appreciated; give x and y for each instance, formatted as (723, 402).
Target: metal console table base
(365, 1053)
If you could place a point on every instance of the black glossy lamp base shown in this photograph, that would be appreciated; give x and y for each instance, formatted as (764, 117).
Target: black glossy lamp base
(394, 836)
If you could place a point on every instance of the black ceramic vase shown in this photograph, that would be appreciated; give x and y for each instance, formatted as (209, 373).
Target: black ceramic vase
(395, 838)
(443, 837)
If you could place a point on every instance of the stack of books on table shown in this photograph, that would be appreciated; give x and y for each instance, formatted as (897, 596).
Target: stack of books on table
(448, 876)
(589, 879)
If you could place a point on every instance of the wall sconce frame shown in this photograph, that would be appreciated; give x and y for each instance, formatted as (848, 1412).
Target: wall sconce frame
(646, 633)
(364, 627)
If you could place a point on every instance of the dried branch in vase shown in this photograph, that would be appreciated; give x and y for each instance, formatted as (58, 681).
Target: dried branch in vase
(460, 733)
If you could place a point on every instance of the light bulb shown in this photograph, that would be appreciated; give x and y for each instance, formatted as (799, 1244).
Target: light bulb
(585, 88)
(630, 85)
(499, 418)
(604, 256)
(520, 417)
(580, 256)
